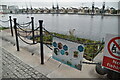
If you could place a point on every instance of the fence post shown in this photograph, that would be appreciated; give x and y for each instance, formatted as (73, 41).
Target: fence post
(16, 35)
(32, 19)
(41, 42)
(11, 25)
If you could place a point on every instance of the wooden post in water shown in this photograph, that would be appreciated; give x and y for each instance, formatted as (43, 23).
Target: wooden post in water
(11, 25)
(41, 42)
(16, 34)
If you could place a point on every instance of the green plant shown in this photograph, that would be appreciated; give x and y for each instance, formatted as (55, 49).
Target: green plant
(69, 63)
(2, 28)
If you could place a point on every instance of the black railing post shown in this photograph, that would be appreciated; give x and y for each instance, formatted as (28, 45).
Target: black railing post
(32, 20)
(11, 25)
(41, 42)
(16, 35)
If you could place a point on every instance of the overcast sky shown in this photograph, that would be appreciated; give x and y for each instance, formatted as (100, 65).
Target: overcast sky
(59, 0)
(62, 3)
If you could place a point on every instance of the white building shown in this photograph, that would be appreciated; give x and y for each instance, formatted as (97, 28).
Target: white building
(13, 9)
(3, 9)
(119, 5)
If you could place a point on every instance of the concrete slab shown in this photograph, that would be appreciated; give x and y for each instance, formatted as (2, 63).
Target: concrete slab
(48, 67)
(67, 72)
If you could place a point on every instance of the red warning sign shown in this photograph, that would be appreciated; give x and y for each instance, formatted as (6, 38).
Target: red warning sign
(111, 63)
(116, 45)
(111, 58)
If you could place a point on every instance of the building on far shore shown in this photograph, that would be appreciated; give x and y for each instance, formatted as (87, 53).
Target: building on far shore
(119, 5)
(3, 9)
(13, 9)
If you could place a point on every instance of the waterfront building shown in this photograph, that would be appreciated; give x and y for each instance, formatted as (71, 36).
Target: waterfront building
(112, 10)
(3, 9)
(81, 10)
(63, 10)
(86, 10)
(72, 10)
(97, 10)
(107, 11)
(13, 9)
(119, 7)
(46, 10)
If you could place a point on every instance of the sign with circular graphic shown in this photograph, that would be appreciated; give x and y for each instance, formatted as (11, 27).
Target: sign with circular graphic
(111, 54)
(68, 52)
(114, 47)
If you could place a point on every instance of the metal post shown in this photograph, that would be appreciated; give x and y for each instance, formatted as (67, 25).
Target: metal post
(16, 35)
(32, 19)
(41, 42)
(11, 25)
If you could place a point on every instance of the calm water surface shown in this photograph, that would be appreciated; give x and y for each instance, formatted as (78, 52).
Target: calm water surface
(85, 26)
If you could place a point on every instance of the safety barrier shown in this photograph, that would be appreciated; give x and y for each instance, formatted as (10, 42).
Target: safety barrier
(21, 29)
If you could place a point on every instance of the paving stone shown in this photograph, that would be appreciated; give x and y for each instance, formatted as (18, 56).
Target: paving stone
(15, 68)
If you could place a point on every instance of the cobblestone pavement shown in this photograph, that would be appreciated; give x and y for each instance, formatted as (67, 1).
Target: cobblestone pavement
(15, 68)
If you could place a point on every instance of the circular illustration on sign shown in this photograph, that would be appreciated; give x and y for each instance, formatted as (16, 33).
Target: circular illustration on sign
(60, 45)
(56, 51)
(54, 44)
(76, 54)
(67, 53)
(65, 47)
(114, 47)
(62, 52)
(81, 48)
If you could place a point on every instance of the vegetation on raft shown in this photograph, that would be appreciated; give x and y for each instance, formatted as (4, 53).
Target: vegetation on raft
(2, 28)
(90, 50)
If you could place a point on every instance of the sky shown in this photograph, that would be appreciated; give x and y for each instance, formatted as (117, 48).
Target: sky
(59, 0)
(62, 3)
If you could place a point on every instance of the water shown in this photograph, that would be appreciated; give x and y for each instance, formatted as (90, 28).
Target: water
(85, 26)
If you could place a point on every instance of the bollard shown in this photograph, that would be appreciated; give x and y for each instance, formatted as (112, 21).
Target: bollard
(41, 42)
(11, 25)
(16, 35)
(32, 20)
